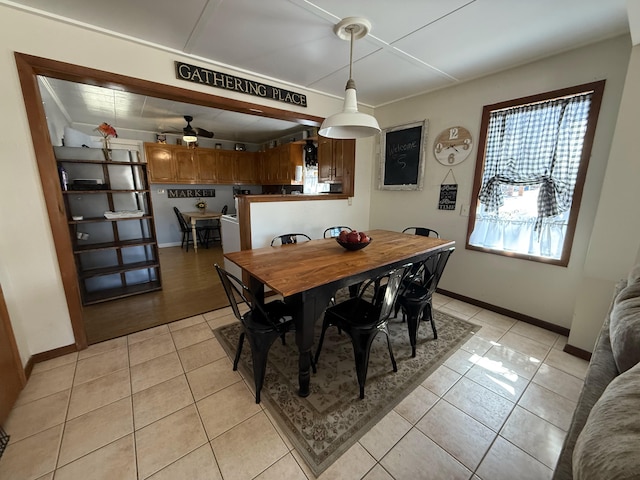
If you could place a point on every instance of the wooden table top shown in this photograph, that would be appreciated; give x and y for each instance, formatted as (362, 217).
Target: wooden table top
(201, 215)
(291, 269)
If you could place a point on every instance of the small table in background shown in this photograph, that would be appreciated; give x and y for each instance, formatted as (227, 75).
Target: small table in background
(193, 217)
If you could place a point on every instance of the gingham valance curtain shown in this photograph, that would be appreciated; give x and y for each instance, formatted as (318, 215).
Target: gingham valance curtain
(536, 144)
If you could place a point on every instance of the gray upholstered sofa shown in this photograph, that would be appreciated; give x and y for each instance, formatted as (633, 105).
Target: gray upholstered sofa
(603, 441)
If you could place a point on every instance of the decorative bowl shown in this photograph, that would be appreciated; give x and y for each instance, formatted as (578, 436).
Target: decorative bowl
(353, 246)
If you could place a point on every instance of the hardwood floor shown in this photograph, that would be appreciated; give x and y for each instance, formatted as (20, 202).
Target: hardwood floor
(190, 286)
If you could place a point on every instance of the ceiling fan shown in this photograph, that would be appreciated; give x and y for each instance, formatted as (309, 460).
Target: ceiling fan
(190, 133)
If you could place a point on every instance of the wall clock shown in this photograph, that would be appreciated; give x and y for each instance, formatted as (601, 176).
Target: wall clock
(453, 145)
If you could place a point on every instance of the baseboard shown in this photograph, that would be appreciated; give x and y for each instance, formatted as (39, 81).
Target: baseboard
(171, 244)
(48, 355)
(509, 313)
(577, 352)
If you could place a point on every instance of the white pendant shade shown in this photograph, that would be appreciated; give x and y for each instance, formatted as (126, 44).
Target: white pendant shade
(349, 123)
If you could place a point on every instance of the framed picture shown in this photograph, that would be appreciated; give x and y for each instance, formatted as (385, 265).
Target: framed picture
(402, 156)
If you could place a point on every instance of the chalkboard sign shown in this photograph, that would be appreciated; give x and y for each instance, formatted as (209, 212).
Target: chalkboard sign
(402, 157)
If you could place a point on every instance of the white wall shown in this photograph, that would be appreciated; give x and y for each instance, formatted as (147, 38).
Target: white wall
(541, 291)
(29, 272)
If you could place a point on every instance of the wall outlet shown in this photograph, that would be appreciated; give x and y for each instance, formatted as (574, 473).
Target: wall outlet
(464, 210)
(350, 201)
(161, 191)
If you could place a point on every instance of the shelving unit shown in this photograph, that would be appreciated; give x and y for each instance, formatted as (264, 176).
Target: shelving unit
(115, 257)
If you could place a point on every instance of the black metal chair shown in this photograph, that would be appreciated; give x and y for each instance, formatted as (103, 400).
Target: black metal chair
(333, 232)
(262, 324)
(416, 294)
(289, 238)
(425, 232)
(212, 232)
(186, 231)
(363, 319)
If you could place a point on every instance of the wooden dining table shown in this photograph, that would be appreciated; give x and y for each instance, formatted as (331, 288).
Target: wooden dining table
(193, 217)
(308, 274)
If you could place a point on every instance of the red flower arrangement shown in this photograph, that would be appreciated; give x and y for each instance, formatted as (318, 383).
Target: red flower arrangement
(107, 130)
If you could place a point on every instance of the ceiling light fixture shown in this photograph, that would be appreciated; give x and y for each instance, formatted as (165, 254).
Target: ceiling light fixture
(189, 134)
(350, 123)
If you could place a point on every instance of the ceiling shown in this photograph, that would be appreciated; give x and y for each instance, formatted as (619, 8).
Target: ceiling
(414, 46)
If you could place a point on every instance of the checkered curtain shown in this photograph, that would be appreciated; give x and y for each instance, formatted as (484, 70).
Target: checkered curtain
(538, 144)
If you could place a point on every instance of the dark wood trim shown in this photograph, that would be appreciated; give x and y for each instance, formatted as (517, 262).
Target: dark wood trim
(509, 313)
(29, 67)
(55, 353)
(596, 101)
(577, 352)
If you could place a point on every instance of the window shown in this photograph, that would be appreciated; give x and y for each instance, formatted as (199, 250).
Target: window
(532, 161)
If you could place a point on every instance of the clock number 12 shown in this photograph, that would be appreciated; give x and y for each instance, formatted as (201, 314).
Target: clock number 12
(453, 133)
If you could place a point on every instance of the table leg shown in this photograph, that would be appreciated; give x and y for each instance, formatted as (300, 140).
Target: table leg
(193, 234)
(308, 307)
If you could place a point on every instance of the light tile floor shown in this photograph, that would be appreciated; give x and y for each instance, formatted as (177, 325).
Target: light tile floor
(165, 404)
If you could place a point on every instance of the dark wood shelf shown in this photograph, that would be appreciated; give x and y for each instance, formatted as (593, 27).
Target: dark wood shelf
(103, 219)
(121, 292)
(83, 192)
(125, 267)
(103, 162)
(135, 242)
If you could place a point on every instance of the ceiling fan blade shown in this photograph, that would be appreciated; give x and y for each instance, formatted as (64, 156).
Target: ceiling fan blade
(201, 132)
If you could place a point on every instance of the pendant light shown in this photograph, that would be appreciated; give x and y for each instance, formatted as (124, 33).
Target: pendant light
(350, 123)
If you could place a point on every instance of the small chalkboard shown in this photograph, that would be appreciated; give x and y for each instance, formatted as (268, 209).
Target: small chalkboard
(402, 156)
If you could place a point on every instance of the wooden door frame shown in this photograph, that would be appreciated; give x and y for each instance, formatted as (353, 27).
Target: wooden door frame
(14, 368)
(29, 67)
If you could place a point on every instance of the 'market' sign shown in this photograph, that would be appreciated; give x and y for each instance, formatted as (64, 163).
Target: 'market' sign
(191, 73)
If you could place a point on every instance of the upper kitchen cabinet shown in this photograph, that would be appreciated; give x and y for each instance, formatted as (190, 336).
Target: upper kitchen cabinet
(279, 164)
(247, 168)
(160, 161)
(179, 164)
(336, 162)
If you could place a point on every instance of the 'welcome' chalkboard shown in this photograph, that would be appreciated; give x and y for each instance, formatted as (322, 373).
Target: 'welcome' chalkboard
(402, 157)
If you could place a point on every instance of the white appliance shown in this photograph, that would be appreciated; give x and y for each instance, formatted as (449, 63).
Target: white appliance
(230, 241)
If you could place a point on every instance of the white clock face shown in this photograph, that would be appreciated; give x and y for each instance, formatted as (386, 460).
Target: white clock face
(453, 145)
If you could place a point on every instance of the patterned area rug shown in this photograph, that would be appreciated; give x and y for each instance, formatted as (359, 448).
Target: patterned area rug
(332, 418)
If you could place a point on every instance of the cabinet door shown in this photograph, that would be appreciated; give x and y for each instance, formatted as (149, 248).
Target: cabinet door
(160, 161)
(290, 158)
(246, 168)
(225, 166)
(185, 165)
(271, 167)
(206, 160)
(344, 155)
(325, 160)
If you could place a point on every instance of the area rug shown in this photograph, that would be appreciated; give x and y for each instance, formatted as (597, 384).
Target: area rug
(332, 418)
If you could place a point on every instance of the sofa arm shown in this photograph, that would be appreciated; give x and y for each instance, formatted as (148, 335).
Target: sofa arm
(602, 370)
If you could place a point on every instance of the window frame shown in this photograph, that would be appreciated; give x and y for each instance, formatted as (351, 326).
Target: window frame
(598, 89)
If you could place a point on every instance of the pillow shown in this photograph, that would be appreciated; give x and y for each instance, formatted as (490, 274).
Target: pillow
(624, 326)
(607, 446)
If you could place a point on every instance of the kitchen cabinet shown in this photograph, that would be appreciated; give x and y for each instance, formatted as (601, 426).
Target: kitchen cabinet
(336, 162)
(111, 225)
(246, 169)
(178, 164)
(279, 164)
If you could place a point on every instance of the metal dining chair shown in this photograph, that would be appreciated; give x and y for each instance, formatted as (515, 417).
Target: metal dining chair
(416, 294)
(262, 324)
(363, 318)
(425, 232)
(333, 232)
(289, 238)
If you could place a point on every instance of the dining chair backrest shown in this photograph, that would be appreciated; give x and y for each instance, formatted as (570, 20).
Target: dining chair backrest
(237, 293)
(425, 232)
(429, 271)
(289, 238)
(385, 293)
(224, 210)
(184, 226)
(333, 232)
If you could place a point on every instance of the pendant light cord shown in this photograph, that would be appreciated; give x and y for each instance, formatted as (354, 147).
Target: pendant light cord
(351, 53)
